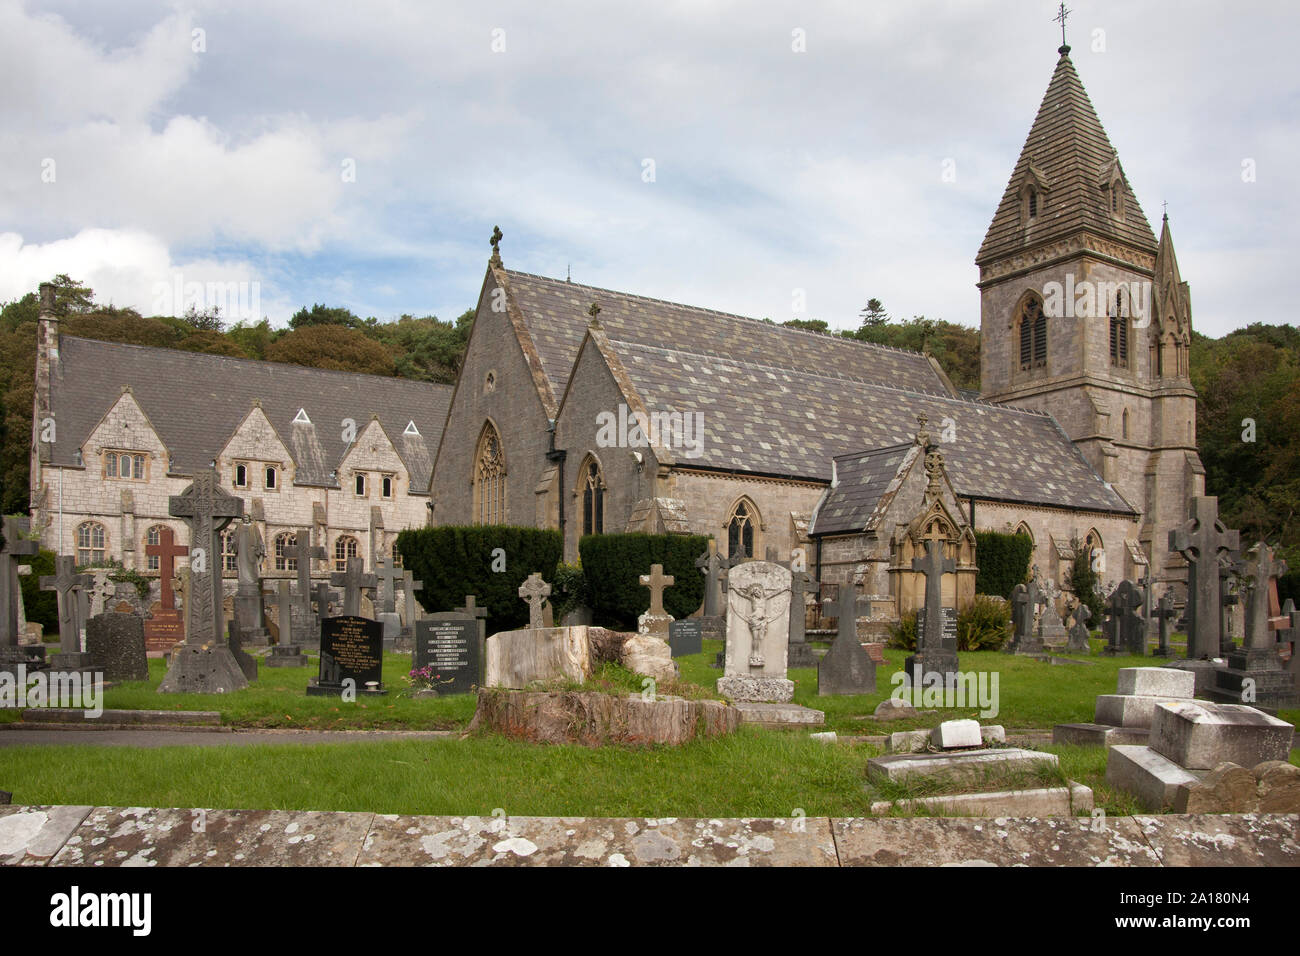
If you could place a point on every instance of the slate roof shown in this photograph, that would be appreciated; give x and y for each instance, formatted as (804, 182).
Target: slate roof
(196, 401)
(862, 479)
(768, 420)
(555, 312)
(1069, 149)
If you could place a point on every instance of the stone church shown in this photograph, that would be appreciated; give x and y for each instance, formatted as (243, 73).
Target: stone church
(594, 411)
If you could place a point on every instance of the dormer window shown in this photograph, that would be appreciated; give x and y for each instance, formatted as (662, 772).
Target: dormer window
(1033, 203)
(124, 465)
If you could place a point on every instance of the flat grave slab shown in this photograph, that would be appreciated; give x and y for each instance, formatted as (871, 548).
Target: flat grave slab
(1098, 735)
(1199, 735)
(135, 836)
(768, 714)
(919, 741)
(1037, 802)
(579, 841)
(30, 836)
(963, 766)
(1152, 778)
(1156, 682)
(1120, 710)
(1224, 840)
(1002, 841)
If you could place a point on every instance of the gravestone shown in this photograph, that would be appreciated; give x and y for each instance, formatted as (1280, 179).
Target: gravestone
(16, 546)
(286, 653)
(322, 597)
(1201, 541)
(800, 652)
(1164, 614)
(448, 644)
(246, 661)
(65, 582)
(535, 591)
(115, 645)
(711, 565)
(306, 628)
(351, 658)
(250, 611)
(686, 637)
(204, 662)
(846, 668)
(1290, 634)
(1051, 630)
(936, 652)
(166, 627)
(1025, 641)
(471, 609)
(102, 589)
(353, 581)
(409, 587)
(1078, 642)
(388, 574)
(655, 621)
(1255, 674)
(1125, 602)
(758, 616)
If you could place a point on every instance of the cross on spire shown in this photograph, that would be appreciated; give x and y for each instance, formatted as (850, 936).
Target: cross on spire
(1060, 17)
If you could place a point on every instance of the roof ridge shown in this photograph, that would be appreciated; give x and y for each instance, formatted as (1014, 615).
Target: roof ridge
(769, 324)
(253, 361)
(875, 451)
(837, 377)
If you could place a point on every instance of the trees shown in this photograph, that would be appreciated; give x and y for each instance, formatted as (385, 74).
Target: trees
(321, 314)
(426, 349)
(335, 347)
(874, 314)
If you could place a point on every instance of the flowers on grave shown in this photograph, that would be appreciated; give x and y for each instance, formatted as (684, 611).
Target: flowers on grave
(427, 678)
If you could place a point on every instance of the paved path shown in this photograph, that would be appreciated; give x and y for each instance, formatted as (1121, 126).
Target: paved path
(139, 836)
(206, 738)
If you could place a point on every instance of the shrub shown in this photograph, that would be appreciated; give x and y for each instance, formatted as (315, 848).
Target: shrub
(569, 590)
(40, 606)
(985, 625)
(457, 560)
(1086, 585)
(903, 634)
(613, 564)
(1003, 562)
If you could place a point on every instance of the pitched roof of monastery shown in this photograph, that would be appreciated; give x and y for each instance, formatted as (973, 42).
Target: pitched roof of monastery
(1071, 155)
(770, 420)
(861, 480)
(196, 401)
(555, 312)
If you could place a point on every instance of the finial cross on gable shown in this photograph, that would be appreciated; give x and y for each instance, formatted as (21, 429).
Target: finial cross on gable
(495, 242)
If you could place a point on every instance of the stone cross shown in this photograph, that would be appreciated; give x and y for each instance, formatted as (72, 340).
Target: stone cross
(352, 581)
(495, 241)
(1262, 566)
(1201, 541)
(799, 582)
(934, 566)
(389, 574)
(1125, 626)
(656, 581)
(480, 614)
(166, 551)
(321, 597)
(17, 545)
(65, 582)
(301, 553)
(1291, 633)
(1079, 629)
(101, 590)
(845, 611)
(711, 565)
(1164, 613)
(1019, 611)
(409, 587)
(535, 591)
(207, 508)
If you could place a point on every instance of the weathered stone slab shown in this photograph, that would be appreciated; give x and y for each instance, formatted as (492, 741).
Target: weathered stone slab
(519, 658)
(1098, 735)
(1156, 682)
(1151, 777)
(774, 689)
(1038, 802)
(62, 715)
(768, 714)
(577, 841)
(30, 836)
(595, 718)
(918, 741)
(952, 734)
(965, 766)
(1224, 841)
(115, 643)
(894, 708)
(1119, 710)
(1002, 841)
(135, 836)
(1200, 735)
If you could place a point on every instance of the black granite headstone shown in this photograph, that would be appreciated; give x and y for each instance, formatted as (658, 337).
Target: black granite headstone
(351, 649)
(949, 639)
(686, 637)
(115, 643)
(448, 644)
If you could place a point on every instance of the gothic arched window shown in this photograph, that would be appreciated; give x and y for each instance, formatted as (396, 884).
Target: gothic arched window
(593, 497)
(490, 478)
(153, 536)
(740, 529)
(345, 548)
(91, 546)
(283, 541)
(1032, 325)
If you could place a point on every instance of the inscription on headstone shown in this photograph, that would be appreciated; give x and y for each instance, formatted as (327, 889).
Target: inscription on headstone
(448, 644)
(686, 637)
(351, 649)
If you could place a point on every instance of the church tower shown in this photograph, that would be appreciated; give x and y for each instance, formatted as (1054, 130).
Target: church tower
(1084, 315)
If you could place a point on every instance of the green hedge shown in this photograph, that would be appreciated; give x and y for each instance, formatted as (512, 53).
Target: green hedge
(613, 564)
(40, 606)
(455, 560)
(1002, 560)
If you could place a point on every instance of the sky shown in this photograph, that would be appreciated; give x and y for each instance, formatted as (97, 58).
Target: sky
(773, 159)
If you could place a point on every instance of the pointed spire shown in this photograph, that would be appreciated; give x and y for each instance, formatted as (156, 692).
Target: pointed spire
(1173, 297)
(1069, 164)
